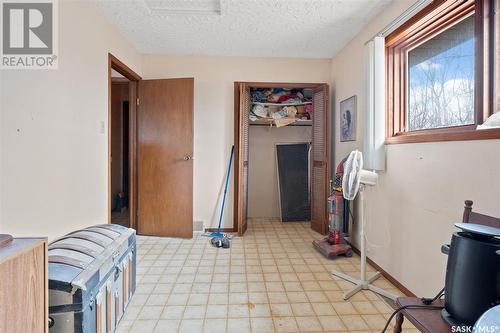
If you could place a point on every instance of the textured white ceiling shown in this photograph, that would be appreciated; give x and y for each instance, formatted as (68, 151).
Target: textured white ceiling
(275, 28)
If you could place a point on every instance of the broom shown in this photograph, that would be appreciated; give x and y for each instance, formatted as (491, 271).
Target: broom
(218, 233)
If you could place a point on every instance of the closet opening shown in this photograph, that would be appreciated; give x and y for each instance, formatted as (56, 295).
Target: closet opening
(281, 171)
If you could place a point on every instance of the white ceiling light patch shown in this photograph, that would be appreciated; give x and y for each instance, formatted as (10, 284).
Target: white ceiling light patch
(207, 7)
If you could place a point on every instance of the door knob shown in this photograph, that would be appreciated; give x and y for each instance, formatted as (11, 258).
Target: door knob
(186, 157)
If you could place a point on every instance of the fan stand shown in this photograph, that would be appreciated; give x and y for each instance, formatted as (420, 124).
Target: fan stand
(363, 283)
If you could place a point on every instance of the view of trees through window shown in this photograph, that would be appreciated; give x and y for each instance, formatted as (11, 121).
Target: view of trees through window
(441, 79)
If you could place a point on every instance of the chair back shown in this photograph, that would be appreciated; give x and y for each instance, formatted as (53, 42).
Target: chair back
(477, 218)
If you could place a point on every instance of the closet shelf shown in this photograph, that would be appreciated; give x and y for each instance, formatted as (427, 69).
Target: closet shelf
(270, 122)
(280, 104)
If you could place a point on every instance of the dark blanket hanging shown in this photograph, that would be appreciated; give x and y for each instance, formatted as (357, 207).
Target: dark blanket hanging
(293, 177)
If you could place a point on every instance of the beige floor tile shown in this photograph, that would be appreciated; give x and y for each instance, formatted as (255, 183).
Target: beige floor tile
(178, 299)
(182, 288)
(139, 299)
(191, 326)
(197, 299)
(375, 321)
(297, 297)
(259, 310)
(143, 326)
(173, 312)
(167, 326)
(150, 312)
(237, 278)
(258, 297)
(238, 311)
(354, 322)
(238, 298)
(219, 287)
(238, 287)
(195, 312)
(309, 324)
(365, 307)
(277, 297)
(256, 286)
(331, 323)
(218, 298)
(214, 326)
(302, 309)
(132, 312)
(216, 311)
(262, 325)
(281, 310)
(255, 277)
(285, 324)
(344, 308)
(238, 325)
(157, 300)
(272, 277)
(292, 286)
(316, 296)
(220, 278)
(323, 309)
(124, 326)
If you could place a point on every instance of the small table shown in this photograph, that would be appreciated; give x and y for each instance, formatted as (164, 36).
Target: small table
(426, 321)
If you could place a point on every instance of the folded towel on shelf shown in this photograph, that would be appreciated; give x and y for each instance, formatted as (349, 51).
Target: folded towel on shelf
(284, 121)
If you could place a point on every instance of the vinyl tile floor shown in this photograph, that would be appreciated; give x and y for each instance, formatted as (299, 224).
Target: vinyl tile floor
(270, 280)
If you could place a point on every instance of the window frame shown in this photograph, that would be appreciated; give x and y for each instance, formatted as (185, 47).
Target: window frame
(429, 22)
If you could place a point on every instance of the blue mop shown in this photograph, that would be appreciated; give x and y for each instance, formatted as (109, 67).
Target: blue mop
(218, 233)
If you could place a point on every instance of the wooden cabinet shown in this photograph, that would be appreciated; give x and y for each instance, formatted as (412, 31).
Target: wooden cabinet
(24, 286)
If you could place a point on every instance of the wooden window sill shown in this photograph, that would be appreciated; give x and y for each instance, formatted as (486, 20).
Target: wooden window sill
(438, 136)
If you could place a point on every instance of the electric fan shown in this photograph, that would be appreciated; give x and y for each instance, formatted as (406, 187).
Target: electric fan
(354, 181)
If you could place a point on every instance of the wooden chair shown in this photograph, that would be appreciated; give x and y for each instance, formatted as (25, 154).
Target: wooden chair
(430, 321)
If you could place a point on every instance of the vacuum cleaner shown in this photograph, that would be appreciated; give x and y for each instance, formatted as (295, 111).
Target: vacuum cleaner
(335, 244)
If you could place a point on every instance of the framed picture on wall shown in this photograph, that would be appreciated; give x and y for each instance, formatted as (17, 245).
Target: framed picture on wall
(348, 119)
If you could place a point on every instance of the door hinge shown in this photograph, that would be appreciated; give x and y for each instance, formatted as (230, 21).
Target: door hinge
(137, 101)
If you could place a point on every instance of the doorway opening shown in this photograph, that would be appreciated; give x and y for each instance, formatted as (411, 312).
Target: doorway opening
(122, 136)
(120, 154)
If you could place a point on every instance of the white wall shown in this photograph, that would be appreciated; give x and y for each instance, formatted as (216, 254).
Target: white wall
(411, 212)
(214, 108)
(54, 157)
(263, 193)
(1, 148)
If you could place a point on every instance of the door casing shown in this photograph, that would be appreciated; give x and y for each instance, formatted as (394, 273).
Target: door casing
(134, 78)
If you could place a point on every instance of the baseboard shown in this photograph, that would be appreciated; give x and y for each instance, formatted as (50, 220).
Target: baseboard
(388, 276)
(222, 229)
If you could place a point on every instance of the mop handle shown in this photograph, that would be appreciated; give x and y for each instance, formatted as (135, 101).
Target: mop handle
(225, 189)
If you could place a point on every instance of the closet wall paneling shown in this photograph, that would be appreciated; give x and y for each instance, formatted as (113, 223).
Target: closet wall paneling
(319, 176)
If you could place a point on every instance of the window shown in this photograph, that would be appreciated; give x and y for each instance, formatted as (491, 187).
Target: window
(441, 69)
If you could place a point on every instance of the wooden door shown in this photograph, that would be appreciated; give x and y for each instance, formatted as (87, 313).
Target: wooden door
(319, 155)
(242, 161)
(165, 166)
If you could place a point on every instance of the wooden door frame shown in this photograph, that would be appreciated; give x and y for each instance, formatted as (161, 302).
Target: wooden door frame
(237, 130)
(133, 78)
